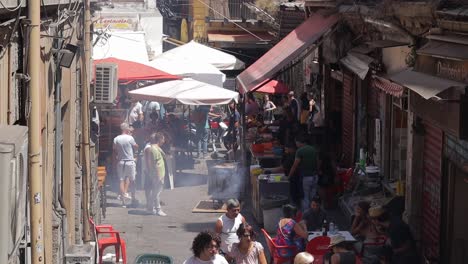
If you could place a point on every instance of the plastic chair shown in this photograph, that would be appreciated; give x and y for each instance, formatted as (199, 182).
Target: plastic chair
(318, 246)
(275, 257)
(112, 240)
(153, 259)
(345, 177)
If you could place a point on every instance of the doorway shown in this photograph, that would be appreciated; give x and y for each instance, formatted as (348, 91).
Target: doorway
(458, 237)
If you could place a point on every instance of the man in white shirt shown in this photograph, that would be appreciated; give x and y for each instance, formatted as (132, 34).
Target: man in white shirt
(205, 250)
(124, 146)
(135, 113)
(151, 108)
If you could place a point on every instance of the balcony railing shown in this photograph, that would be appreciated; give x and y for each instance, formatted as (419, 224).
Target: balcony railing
(231, 9)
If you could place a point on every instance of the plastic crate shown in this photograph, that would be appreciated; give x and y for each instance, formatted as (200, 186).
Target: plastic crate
(153, 259)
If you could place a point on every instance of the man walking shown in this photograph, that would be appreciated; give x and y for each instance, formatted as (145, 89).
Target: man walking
(124, 146)
(156, 171)
(307, 163)
(202, 127)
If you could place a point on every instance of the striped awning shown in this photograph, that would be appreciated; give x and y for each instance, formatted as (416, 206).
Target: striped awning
(387, 86)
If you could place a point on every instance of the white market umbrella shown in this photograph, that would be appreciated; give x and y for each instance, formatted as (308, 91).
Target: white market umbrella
(197, 70)
(186, 91)
(198, 52)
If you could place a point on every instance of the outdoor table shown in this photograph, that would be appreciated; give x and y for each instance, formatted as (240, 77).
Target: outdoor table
(346, 234)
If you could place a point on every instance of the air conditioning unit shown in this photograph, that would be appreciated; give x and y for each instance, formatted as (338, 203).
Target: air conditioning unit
(106, 83)
(13, 189)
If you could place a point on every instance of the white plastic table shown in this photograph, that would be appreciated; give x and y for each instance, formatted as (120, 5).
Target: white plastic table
(346, 234)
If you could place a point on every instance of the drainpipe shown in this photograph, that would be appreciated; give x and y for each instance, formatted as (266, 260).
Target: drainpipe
(35, 149)
(85, 70)
(58, 206)
(390, 25)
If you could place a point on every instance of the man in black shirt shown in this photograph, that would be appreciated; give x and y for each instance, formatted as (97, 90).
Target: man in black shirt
(313, 218)
(401, 239)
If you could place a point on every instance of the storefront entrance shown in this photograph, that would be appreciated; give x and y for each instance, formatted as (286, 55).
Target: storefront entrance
(459, 240)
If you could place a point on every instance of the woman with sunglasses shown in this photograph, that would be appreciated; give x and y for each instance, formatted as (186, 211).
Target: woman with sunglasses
(247, 251)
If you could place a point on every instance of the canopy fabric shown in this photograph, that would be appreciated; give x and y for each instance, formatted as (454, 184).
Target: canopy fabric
(186, 91)
(357, 63)
(387, 86)
(129, 71)
(196, 70)
(119, 43)
(272, 87)
(288, 49)
(199, 52)
(426, 85)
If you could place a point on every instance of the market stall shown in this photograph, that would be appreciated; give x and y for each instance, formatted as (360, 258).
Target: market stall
(194, 93)
(186, 91)
(201, 53)
(189, 68)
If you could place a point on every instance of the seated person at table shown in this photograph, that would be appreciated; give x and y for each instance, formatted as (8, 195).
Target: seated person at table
(289, 232)
(361, 222)
(313, 218)
(402, 241)
(341, 254)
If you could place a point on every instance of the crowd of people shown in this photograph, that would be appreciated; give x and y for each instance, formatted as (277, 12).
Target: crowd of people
(149, 131)
(311, 171)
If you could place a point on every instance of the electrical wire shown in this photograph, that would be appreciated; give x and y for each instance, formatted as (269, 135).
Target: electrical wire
(14, 9)
(3, 51)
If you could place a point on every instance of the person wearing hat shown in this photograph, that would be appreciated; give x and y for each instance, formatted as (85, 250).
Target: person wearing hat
(304, 258)
(340, 252)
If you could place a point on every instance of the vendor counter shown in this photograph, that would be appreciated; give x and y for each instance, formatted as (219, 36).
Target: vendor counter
(268, 190)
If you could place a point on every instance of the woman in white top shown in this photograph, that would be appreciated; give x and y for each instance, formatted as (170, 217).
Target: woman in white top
(268, 108)
(228, 223)
(247, 251)
(205, 250)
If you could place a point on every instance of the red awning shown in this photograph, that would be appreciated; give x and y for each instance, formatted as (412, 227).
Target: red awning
(387, 86)
(129, 71)
(285, 51)
(272, 87)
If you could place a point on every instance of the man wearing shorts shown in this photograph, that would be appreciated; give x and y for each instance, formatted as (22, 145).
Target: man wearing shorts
(124, 145)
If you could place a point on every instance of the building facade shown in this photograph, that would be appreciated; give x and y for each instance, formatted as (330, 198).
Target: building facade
(61, 162)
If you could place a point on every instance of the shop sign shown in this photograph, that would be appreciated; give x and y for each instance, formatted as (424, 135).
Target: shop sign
(451, 71)
(115, 23)
(444, 68)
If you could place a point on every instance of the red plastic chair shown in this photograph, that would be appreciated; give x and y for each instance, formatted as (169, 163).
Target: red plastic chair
(318, 246)
(345, 177)
(275, 257)
(112, 240)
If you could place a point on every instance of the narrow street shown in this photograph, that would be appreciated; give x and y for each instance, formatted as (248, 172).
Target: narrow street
(171, 235)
